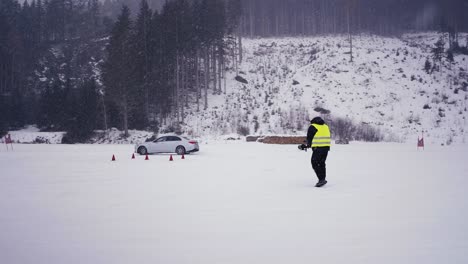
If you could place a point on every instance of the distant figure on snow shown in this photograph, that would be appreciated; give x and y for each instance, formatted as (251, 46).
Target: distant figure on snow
(319, 139)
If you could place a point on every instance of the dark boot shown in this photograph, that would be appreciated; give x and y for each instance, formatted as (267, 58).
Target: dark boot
(321, 183)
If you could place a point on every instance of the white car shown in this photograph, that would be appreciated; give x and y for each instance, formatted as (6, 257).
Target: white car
(168, 144)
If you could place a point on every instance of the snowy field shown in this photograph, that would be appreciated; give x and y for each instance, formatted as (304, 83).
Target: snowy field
(233, 203)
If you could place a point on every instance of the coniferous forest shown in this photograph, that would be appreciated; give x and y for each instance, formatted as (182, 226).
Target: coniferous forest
(82, 65)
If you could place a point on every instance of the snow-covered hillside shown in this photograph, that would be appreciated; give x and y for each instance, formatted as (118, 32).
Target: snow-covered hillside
(386, 87)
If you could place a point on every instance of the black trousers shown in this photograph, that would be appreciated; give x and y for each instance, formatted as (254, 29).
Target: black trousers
(318, 162)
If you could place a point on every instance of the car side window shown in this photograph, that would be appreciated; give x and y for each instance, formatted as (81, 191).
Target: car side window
(174, 139)
(162, 139)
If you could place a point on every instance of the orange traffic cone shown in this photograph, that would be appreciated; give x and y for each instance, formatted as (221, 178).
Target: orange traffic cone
(147, 158)
(170, 158)
(183, 156)
(133, 156)
(113, 157)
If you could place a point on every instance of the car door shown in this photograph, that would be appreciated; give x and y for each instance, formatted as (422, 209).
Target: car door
(159, 145)
(173, 142)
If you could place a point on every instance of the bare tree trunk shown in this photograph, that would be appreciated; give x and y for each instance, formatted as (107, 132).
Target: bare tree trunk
(303, 23)
(12, 77)
(240, 47)
(251, 19)
(104, 112)
(186, 81)
(276, 25)
(125, 116)
(197, 79)
(224, 76)
(176, 95)
(182, 89)
(213, 64)
(220, 72)
(234, 56)
(161, 114)
(146, 73)
(207, 76)
(350, 39)
(3, 78)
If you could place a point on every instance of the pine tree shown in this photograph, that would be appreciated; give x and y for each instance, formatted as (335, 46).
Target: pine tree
(438, 51)
(142, 61)
(117, 69)
(427, 66)
(53, 114)
(82, 113)
(233, 18)
(157, 71)
(450, 57)
(55, 20)
(233, 15)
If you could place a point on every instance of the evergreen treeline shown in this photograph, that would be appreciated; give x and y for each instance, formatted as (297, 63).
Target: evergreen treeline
(383, 17)
(160, 63)
(112, 8)
(45, 55)
(61, 58)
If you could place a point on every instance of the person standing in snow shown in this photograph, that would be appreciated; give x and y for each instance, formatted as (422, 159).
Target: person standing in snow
(319, 139)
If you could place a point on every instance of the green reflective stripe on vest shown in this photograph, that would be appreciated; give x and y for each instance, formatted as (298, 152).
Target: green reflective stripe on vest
(321, 145)
(323, 137)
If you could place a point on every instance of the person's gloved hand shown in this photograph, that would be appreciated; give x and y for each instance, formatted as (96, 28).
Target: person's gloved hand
(302, 147)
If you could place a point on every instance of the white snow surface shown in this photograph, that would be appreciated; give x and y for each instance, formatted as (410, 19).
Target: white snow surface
(233, 202)
(31, 134)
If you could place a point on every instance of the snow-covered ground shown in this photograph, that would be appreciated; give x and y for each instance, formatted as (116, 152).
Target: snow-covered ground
(385, 87)
(233, 202)
(31, 134)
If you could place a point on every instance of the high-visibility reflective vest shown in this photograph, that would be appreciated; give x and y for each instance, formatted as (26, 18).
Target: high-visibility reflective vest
(323, 137)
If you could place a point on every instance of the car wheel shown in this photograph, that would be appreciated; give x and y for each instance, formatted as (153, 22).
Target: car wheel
(180, 150)
(142, 151)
